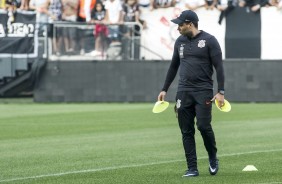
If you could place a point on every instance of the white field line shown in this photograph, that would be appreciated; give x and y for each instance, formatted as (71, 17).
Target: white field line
(271, 183)
(127, 166)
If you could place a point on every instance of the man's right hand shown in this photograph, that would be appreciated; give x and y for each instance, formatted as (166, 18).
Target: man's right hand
(161, 96)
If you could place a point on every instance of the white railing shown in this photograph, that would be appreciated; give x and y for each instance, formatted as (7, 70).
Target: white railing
(74, 41)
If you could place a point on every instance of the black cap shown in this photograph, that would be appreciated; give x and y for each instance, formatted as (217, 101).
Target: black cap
(186, 16)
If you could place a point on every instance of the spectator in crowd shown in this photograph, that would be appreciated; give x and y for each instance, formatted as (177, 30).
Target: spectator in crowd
(11, 6)
(144, 7)
(163, 3)
(24, 5)
(84, 10)
(210, 4)
(84, 15)
(113, 18)
(279, 5)
(41, 16)
(268, 3)
(146, 4)
(130, 15)
(69, 14)
(88, 7)
(252, 5)
(53, 8)
(225, 7)
(101, 31)
(194, 4)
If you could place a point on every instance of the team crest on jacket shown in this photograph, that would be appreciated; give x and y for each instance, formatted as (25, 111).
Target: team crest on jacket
(202, 43)
(178, 103)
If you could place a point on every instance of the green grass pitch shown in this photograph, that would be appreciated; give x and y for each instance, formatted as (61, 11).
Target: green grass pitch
(127, 144)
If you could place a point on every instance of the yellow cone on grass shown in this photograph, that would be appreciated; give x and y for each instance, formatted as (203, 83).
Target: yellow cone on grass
(250, 168)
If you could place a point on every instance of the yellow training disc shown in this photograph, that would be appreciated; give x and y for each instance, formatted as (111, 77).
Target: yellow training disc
(160, 106)
(225, 108)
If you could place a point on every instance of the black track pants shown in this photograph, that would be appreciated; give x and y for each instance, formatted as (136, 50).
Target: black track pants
(191, 105)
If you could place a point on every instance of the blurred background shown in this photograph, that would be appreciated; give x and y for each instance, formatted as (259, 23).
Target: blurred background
(119, 51)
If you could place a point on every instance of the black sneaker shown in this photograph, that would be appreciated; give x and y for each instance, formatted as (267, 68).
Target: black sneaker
(191, 173)
(213, 168)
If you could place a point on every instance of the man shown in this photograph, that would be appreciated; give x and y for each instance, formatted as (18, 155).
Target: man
(254, 5)
(69, 15)
(41, 16)
(194, 4)
(195, 54)
(225, 7)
